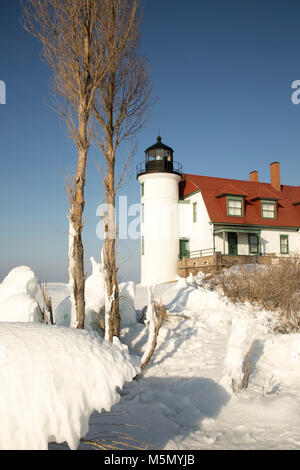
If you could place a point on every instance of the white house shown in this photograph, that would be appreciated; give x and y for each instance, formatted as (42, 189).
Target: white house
(191, 216)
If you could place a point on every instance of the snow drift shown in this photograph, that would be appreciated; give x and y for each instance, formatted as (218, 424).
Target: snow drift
(127, 307)
(17, 296)
(95, 302)
(94, 296)
(52, 378)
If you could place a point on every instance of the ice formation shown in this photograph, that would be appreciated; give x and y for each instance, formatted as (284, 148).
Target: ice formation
(52, 378)
(18, 296)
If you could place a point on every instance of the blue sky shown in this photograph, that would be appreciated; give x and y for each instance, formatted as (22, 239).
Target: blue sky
(222, 72)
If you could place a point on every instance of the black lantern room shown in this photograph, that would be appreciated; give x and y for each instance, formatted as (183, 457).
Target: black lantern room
(159, 159)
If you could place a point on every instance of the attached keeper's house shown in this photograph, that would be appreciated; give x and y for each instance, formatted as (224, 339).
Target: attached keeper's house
(220, 221)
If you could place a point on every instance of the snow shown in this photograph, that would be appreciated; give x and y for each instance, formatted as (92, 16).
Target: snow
(17, 296)
(95, 301)
(183, 400)
(52, 379)
(150, 322)
(94, 288)
(242, 335)
(19, 280)
(127, 307)
(94, 296)
(62, 316)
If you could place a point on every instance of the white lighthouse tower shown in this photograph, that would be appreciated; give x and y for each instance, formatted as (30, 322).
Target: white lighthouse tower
(159, 177)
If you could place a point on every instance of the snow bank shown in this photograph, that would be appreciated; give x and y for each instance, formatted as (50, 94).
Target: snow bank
(17, 296)
(62, 313)
(242, 335)
(95, 301)
(127, 308)
(94, 296)
(279, 363)
(52, 378)
(95, 288)
(19, 280)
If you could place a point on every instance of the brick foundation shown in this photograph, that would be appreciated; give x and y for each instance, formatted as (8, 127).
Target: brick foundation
(217, 262)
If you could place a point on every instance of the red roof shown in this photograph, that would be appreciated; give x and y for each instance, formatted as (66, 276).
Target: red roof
(213, 189)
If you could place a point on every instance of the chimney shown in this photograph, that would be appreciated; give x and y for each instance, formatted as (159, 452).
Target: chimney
(275, 176)
(254, 176)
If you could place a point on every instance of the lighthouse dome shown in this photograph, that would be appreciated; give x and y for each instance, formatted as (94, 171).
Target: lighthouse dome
(160, 151)
(159, 158)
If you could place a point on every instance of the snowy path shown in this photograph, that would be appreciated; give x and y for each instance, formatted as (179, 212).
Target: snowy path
(169, 401)
(178, 402)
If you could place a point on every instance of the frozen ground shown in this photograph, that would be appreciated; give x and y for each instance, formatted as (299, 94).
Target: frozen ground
(184, 398)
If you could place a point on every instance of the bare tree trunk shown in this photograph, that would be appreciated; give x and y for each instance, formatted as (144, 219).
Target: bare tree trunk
(76, 213)
(71, 284)
(112, 291)
(121, 110)
(71, 33)
(110, 262)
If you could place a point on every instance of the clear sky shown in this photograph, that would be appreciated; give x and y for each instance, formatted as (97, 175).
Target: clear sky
(222, 72)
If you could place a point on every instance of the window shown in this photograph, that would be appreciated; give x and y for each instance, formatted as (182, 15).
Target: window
(268, 209)
(234, 207)
(143, 213)
(284, 244)
(195, 212)
(184, 248)
(143, 246)
(142, 189)
(253, 244)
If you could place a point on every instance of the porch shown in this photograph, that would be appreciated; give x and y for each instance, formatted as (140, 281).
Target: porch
(236, 241)
(210, 260)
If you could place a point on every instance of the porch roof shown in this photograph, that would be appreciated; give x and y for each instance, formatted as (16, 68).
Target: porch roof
(227, 229)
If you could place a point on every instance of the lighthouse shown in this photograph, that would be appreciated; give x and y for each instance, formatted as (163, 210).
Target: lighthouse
(159, 176)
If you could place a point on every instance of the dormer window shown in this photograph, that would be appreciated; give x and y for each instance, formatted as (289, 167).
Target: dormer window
(268, 209)
(235, 206)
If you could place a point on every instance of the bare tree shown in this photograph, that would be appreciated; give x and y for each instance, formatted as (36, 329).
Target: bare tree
(47, 301)
(76, 51)
(121, 110)
(156, 314)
